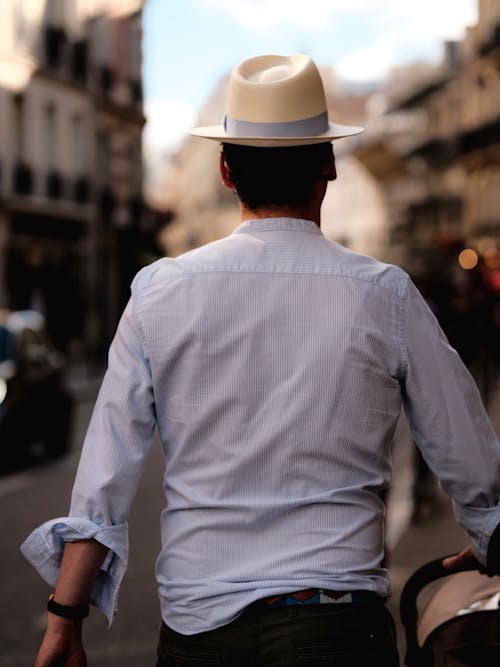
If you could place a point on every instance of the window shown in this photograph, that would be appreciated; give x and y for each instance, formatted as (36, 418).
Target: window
(18, 112)
(102, 165)
(50, 136)
(77, 130)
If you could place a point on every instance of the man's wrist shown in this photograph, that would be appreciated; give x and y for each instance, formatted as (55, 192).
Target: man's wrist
(77, 612)
(65, 628)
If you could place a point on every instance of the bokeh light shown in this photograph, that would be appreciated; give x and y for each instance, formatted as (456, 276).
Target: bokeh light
(492, 258)
(468, 258)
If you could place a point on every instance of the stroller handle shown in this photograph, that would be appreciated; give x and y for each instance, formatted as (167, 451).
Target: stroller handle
(409, 595)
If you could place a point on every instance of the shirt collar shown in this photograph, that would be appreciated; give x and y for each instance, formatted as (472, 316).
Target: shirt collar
(277, 224)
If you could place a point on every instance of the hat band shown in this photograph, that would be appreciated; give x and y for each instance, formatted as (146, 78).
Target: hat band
(308, 127)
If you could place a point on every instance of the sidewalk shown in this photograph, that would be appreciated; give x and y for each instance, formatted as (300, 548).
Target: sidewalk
(438, 536)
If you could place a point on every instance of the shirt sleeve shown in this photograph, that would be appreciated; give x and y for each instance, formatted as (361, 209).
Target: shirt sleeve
(449, 423)
(115, 448)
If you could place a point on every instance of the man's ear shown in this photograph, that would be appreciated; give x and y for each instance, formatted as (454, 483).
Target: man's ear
(225, 174)
(329, 170)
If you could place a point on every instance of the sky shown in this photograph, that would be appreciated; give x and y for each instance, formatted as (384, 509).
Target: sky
(189, 44)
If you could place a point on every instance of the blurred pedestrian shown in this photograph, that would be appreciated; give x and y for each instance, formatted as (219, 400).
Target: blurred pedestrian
(274, 364)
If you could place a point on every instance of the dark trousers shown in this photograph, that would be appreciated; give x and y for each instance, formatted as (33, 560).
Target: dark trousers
(343, 635)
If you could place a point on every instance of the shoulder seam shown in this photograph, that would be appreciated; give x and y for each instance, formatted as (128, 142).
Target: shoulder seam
(184, 273)
(402, 326)
(137, 317)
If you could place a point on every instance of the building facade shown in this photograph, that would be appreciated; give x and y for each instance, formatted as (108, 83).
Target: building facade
(71, 120)
(436, 150)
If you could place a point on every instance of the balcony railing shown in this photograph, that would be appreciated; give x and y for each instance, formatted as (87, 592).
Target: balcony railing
(438, 151)
(481, 137)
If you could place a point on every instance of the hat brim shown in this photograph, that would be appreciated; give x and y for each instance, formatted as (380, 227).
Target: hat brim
(217, 133)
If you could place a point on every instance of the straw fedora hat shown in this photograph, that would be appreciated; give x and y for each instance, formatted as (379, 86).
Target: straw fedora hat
(276, 101)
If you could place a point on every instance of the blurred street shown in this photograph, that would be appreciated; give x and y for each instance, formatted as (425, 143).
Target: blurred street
(33, 496)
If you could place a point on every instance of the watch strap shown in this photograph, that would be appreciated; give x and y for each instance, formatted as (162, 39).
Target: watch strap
(81, 611)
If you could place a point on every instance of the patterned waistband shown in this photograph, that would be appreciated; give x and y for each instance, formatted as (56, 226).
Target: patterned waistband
(322, 596)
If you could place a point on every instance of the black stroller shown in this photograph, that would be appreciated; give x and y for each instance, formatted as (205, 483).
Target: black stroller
(460, 624)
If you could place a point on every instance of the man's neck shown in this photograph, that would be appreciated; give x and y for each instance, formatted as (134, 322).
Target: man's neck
(303, 212)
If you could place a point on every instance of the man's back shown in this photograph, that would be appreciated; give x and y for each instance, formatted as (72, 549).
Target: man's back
(275, 358)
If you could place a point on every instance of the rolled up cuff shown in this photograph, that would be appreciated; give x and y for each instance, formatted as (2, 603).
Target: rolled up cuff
(480, 524)
(43, 548)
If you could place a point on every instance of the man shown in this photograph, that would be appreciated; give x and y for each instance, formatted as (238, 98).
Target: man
(274, 364)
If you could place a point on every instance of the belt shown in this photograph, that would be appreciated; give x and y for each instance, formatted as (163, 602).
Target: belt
(322, 596)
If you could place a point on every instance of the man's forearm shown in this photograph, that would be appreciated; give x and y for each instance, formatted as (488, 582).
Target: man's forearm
(62, 644)
(80, 566)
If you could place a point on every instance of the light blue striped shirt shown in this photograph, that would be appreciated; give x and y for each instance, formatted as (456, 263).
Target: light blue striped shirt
(274, 364)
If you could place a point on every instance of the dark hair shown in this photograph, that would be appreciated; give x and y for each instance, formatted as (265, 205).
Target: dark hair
(268, 177)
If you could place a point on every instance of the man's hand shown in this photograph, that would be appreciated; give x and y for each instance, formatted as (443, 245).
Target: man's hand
(62, 644)
(464, 557)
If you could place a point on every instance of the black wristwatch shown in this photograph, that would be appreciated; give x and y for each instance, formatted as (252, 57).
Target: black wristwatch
(81, 611)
